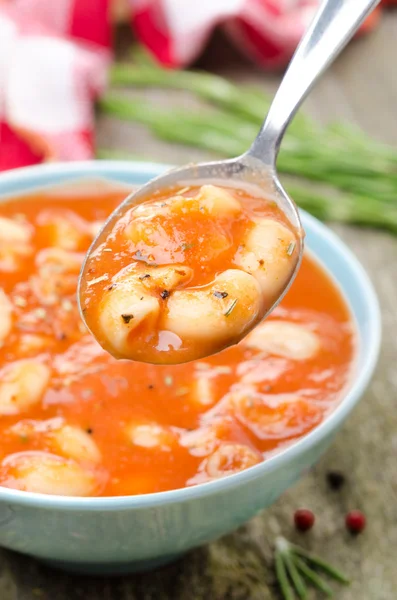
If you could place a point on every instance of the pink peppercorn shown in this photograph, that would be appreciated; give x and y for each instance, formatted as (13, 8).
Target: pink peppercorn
(355, 521)
(304, 519)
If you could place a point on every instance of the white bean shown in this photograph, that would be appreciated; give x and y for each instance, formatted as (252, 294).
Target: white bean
(284, 338)
(46, 473)
(22, 384)
(201, 315)
(5, 316)
(270, 256)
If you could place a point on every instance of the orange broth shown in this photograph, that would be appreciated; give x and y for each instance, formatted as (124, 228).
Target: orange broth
(192, 406)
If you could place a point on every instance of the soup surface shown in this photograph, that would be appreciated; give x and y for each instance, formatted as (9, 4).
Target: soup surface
(75, 421)
(187, 273)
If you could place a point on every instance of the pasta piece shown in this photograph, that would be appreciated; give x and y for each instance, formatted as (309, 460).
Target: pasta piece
(15, 244)
(124, 308)
(218, 201)
(201, 441)
(269, 255)
(65, 229)
(218, 314)
(212, 433)
(231, 458)
(279, 416)
(133, 302)
(22, 384)
(74, 442)
(166, 278)
(14, 232)
(5, 316)
(151, 435)
(46, 473)
(33, 343)
(285, 339)
(203, 389)
(58, 270)
(210, 199)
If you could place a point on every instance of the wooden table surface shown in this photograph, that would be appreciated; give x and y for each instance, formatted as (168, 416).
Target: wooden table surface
(362, 88)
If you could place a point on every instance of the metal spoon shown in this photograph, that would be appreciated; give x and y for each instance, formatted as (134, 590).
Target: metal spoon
(334, 24)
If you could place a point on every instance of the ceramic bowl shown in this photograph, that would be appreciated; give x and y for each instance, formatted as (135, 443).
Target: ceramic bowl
(136, 533)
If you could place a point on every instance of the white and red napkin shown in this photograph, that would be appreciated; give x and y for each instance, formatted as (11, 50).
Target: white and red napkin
(55, 54)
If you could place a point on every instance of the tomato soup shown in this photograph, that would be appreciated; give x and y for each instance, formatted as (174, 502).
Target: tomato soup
(76, 421)
(187, 273)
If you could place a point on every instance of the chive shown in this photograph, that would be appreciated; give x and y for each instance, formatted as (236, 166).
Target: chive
(313, 577)
(221, 294)
(296, 579)
(146, 276)
(283, 578)
(230, 308)
(321, 564)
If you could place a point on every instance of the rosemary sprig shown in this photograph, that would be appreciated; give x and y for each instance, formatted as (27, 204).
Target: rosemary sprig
(338, 173)
(296, 568)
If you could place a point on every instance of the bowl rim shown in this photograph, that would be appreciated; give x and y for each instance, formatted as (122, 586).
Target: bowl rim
(41, 176)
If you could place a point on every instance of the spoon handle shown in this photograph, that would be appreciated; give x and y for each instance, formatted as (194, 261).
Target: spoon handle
(334, 24)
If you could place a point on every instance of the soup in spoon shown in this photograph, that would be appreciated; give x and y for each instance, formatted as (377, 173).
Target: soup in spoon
(187, 273)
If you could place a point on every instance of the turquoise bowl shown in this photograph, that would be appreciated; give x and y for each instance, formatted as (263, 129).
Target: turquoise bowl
(137, 533)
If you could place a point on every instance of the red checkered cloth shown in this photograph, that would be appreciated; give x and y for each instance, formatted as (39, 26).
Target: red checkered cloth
(54, 58)
(268, 31)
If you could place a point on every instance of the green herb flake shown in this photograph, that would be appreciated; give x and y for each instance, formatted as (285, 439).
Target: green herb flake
(187, 246)
(291, 248)
(230, 308)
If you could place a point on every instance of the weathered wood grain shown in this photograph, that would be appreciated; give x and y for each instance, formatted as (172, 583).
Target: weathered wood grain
(360, 87)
